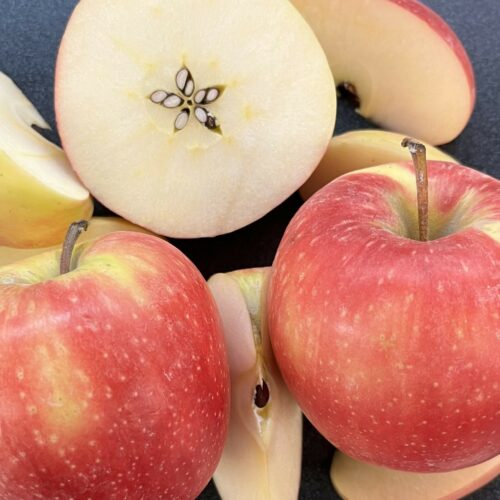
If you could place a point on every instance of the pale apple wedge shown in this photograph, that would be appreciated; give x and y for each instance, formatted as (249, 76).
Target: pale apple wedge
(262, 455)
(406, 66)
(192, 118)
(357, 480)
(39, 193)
(360, 149)
(98, 226)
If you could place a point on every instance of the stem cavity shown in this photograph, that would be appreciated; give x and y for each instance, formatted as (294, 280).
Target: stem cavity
(417, 151)
(74, 231)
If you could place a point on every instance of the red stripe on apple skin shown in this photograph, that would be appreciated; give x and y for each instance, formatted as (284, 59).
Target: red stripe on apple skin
(439, 25)
(114, 377)
(356, 311)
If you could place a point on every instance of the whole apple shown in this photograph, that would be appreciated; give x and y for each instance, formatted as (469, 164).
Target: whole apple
(113, 376)
(391, 344)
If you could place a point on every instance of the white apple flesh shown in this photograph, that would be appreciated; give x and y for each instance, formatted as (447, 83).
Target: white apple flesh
(262, 454)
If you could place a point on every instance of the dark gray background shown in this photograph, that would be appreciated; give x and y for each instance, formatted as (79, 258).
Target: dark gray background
(30, 31)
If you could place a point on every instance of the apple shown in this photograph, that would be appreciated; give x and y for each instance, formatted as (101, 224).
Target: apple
(192, 128)
(263, 450)
(390, 343)
(98, 226)
(404, 65)
(358, 480)
(39, 193)
(360, 149)
(114, 378)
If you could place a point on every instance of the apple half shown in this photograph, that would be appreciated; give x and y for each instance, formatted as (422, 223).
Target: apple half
(357, 480)
(192, 118)
(98, 226)
(361, 149)
(262, 454)
(405, 66)
(39, 193)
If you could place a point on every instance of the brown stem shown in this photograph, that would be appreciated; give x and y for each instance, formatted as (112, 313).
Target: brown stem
(74, 231)
(417, 151)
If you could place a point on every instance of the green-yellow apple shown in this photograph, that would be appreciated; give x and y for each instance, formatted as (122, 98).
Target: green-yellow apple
(262, 454)
(405, 66)
(39, 193)
(390, 343)
(113, 376)
(98, 226)
(357, 480)
(360, 149)
(197, 118)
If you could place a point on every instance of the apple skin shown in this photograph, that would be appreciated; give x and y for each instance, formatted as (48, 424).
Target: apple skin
(114, 378)
(390, 345)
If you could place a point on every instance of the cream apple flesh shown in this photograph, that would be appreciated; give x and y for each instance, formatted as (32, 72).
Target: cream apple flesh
(404, 64)
(191, 121)
(360, 149)
(262, 454)
(389, 343)
(39, 193)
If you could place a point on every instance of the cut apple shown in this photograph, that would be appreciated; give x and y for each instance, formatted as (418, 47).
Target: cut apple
(262, 455)
(98, 226)
(361, 149)
(358, 480)
(405, 65)
(39, 193)
(192, 118)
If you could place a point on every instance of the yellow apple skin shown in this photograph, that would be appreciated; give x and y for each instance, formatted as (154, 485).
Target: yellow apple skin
(98, 226)
(360, 149)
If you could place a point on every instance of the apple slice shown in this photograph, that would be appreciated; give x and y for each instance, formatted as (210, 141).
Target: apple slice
(39, 193)
(361, 149)
(98, 226)
(405, 65)
(262, 454)
(358, 480)
(193, 118)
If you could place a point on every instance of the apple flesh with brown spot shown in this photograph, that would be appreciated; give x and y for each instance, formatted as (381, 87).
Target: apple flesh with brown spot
(114, 379)
(388, 343)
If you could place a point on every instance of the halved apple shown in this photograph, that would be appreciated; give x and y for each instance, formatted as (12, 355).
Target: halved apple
(39, 193)
(192, 118)
(98, 226)
(262, 455)
(360, 149)
(404, 64)
(357, 480)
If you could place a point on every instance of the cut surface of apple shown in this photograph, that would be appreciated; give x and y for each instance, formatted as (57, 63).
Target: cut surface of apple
(192, 118)
(262, 454)
(40, 195)
(98, 226)
(357, 480)
(360, 149)
(406, 66)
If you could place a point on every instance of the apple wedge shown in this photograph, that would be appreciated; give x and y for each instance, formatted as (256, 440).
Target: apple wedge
(404, 64)
(98, 226)
(262, 454)
(358, 480)
(360, 149)
(39, 193)
(192, 118)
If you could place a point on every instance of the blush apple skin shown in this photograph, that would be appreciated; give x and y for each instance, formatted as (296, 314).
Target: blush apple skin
(390, 345)
(113, 377)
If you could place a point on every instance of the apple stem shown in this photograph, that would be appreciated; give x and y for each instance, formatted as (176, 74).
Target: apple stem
(74, 231)
(417, 151)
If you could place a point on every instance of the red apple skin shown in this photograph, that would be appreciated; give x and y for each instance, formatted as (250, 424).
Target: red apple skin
(391, 345)
(439, 25)
(113, 377)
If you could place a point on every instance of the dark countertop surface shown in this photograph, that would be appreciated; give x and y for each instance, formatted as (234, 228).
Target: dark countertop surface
(30, 31)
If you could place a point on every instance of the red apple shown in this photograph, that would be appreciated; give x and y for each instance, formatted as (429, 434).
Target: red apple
(391, 345)
(113, 376)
